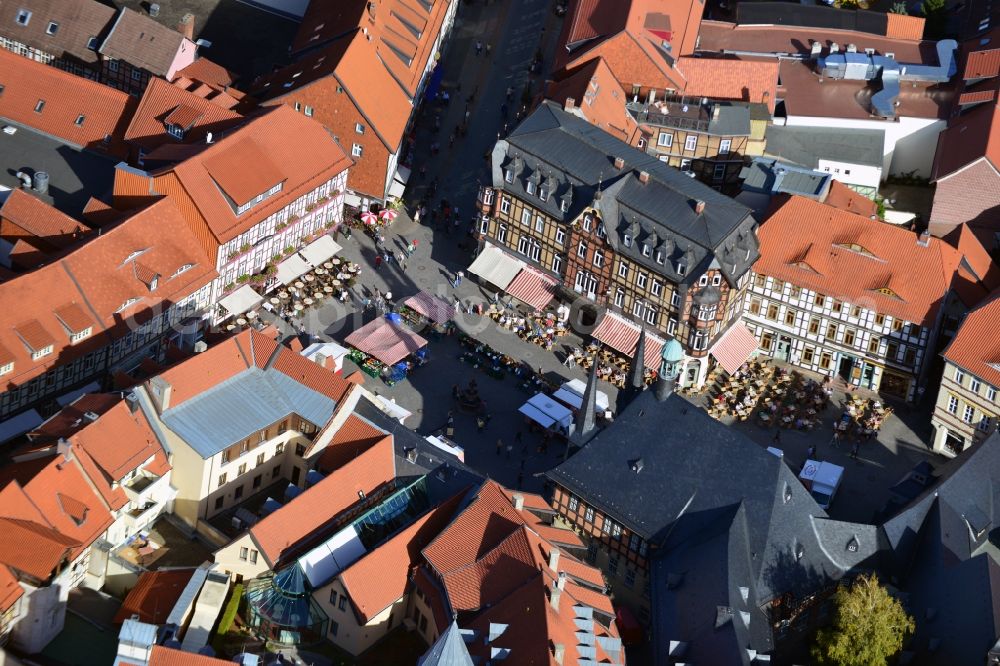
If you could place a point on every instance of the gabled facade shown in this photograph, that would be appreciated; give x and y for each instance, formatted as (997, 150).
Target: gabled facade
(244, 219)
(219, 464)
(102, 307)
(361, 72)
(967, 405)
(843, 298)
(621, 230)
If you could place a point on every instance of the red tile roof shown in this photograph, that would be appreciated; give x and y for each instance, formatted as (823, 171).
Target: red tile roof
(70, 419)
(74, 317)
(597, 96)
(807, 243)
(982, 64)
(78, 21)
(41, 220)
(380, 577)
(309, 512)
(164, 656)
(903, 26)
(104, 110)
(977, 257)
(142, 42)
(629, 35)
(34, 335)
(63, 495)
(34, 548)
(843, 197)
(977, 97)
(730, 79)
(308, 157)
(163, 103)
(10, 591)
(154, 596)
(227, 167)
(354, 436)
(976, 346)
(490, 550)
(205, 71)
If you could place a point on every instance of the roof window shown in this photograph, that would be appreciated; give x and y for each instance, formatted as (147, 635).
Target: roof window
(79, 120)
(92, 43)
(39, 106)
(23, 17)
(52, 28)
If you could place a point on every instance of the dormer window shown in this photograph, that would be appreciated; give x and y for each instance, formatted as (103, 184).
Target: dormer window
(154, 282)
(7, 368)
(564, 206)
(175, 131)
(508, 175)
(23, 17)
(126, 304)
(681, 268)
(81, 335)
(257, 199)
(600, 230)
(52, 28)
(646, 251)
(92, 43)
(588, 221)
(185, 267)
(659, 257)
(626, 240)
(543, 194)
(44, 351)
(531, 187)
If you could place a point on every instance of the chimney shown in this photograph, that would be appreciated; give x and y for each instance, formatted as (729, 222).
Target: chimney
(64, 449)
(518, 500)
(132, 400)
(699, 207)
(558, 652)
(569, 104)
(924, 239)
(186, 26)
(554, 559)
(554, 595)
(715, 111)
(643, 177)
(561, 581)
(619, 163)
(159, 391)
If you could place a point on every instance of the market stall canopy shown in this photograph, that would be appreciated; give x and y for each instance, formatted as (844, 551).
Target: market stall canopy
(533, 287)
(545, 411)
(241, 300)
(496, 266)
(292, 268)
(621, 334)
(386, 341)
(734, 347)
(571, 393)
(432, 307)
(320, 250)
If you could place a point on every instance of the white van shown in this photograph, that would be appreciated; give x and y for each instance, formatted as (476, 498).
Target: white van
(822, 480)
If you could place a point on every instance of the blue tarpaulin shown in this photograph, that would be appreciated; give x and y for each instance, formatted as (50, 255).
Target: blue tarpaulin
(435, 83)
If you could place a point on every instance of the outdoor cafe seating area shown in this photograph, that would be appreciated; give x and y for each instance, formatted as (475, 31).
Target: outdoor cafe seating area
(541, 328)
(862, 417)
(772, 396)
(309, 291)
(613, 366)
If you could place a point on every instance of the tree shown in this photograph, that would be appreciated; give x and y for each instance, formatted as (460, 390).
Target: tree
(869, 626)
(899, 8)
(936, 16)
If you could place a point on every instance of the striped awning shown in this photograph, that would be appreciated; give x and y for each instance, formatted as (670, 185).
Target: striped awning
(430, 306)
(386, 341)
(622, 335)
(734, 347)
(533, 287)
(496, 266)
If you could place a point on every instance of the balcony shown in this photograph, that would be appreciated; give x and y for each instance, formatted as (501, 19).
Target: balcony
(140, 518)
(144, 486)
(691, 117)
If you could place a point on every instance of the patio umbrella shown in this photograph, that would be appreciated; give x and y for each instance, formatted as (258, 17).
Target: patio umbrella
(387, 214)
(369, 217)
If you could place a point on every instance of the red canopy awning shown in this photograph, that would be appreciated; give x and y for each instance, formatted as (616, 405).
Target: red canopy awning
(386, 341)
(734, 347)
(432, 307)
(621, 334)
(533, 287)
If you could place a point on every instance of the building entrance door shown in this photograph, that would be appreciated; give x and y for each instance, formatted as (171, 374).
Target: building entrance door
(784, 346)
(845, 367)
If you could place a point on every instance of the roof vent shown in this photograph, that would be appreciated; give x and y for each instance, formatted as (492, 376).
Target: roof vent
(569, 104)
(699, 207)
(91, 416)
(200, 346)
(411, 454)
(619, 163)
(643, 177)
(852, 545)
(636, 465)
(518, 501)
(924, 239)
(361, 494)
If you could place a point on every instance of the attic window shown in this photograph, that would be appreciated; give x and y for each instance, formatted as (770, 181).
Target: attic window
(646, 251)
(508, 176)
(39, 106)
(636, 465)
(126, 304)
(659, 256)
(543, 194)
(185, 267)
(788, 493)
(799, 551)
(175, 131)
(626, 240)
(79, 120)
(531, 187)
(852, 545)
(92, 43)
(681, 268)
(888, 292)
(23, 17)
(52, 28)
(564, 206)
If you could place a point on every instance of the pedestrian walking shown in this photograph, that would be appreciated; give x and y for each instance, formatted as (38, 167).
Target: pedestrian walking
(416, 216)
(510, 447)
(836, 438)
(480, 423)
(401, 260)
(410, 247)
(570, 360)
(458, 279)
(854, 450)
(488, 49)
(479, 47)
(510, 92)
(777, 437)
(811, 452)
(451, 139)
(378, 261)
(499, 446)
(518, 440)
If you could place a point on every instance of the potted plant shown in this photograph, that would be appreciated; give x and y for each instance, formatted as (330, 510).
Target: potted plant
(242, 279)
(289, 250)
(310, 207)
(229, 287)
(280, 226)
(270, 270)
(232, 255)
(292, 218)
(244, 248)
(276, 258)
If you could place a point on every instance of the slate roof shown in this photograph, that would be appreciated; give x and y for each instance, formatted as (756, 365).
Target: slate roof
(772, 176)
(808, 145)
(448, 650)
(573, 160)
(720, 512)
